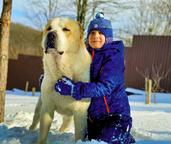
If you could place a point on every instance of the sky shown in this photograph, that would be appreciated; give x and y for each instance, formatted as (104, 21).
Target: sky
(18, 12)
(21, 10)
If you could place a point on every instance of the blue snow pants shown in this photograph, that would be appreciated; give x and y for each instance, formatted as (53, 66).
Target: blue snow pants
(113, 129)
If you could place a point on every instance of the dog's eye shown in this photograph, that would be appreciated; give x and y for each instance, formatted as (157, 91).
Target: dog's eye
(66, 29)
(49, 28)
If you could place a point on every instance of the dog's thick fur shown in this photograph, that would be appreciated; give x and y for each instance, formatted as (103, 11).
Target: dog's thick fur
(68, 58)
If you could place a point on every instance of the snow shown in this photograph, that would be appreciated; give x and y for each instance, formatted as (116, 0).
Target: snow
(151, 123)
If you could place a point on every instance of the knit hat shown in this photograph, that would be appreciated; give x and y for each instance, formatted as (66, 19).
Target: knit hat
(102, 25)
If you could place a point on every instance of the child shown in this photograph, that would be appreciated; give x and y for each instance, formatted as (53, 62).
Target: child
(109, 117)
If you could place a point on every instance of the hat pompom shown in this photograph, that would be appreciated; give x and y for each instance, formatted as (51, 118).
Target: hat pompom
(99, 15)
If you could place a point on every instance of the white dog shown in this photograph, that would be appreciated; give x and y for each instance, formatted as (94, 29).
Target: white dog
(65, 54)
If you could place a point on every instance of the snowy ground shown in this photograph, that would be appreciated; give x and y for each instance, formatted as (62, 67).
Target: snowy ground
(151, 123)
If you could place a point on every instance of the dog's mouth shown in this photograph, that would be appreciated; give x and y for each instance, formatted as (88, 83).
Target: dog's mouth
(50, 43)
(54, 51)
(61, 53)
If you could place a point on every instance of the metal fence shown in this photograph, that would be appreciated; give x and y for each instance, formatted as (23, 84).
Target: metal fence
(146, 52)
(23, 70)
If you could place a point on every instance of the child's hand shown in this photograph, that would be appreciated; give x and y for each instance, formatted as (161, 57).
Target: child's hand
(64, 86)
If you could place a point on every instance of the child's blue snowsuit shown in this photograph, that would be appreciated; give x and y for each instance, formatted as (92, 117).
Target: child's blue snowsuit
(110, 121)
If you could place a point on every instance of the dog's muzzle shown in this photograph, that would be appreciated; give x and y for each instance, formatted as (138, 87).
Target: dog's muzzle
(50, 42)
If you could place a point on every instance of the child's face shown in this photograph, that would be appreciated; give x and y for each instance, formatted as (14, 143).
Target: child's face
(96, 39)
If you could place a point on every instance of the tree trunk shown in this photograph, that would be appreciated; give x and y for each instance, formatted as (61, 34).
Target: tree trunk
(81, 12)
(4, 42)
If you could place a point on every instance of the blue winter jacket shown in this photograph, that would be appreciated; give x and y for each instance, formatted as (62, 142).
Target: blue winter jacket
(107, 79)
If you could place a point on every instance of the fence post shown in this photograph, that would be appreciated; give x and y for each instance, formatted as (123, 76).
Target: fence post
(146, 79)
(148, 87)
(33, 91)
(26, 87)
(155, 98)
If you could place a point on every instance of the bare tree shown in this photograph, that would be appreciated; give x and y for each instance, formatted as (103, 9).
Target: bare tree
(162, 8)
(152, 17)
(81, 10)
(4, 43)
(86, 9)
(157, 75)
(140, 20)
(145, 73)
(42, 11)
(143, 21)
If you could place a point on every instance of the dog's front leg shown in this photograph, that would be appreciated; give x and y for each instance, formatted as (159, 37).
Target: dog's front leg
(80, 122)
(36, 117)
(66, 123)
(46, 118)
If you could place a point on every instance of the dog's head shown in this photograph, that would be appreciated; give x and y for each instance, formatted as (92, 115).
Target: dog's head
(62, 35)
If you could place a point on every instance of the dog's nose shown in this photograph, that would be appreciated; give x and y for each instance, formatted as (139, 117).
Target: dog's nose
(51, 40)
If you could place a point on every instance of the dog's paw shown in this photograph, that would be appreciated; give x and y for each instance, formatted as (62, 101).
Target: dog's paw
(32, 128)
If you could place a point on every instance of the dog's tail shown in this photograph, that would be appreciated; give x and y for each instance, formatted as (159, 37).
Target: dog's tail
(36, 117)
